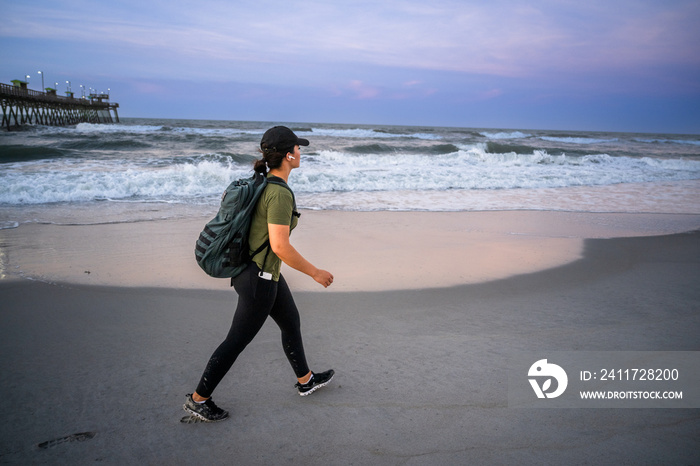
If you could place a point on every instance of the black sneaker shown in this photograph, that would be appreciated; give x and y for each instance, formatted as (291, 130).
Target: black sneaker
(317, 381)
(207, 411)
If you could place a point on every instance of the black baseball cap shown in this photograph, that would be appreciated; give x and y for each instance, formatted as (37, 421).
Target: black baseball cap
(281, 138)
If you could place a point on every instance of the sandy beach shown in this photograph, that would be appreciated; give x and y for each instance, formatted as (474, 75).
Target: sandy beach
(105, 328)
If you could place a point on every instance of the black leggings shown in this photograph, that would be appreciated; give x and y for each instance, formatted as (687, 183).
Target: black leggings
(257, 298)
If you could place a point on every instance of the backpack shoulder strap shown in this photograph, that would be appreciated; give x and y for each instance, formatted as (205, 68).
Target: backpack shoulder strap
(279, 181)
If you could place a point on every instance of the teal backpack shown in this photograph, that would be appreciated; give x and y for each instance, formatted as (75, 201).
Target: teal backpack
(222, 249)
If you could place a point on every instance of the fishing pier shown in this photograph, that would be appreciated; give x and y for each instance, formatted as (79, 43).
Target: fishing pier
(22, 106)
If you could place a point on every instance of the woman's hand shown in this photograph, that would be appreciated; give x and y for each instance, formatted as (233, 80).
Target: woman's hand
(323, 277)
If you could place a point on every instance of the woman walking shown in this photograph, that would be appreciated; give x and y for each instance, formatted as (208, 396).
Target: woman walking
(262, 290)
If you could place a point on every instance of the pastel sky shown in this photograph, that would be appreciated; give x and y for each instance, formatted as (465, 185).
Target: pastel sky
(610, 65)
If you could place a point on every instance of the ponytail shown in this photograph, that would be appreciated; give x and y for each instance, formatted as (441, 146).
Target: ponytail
(271, 158)
(260, 167)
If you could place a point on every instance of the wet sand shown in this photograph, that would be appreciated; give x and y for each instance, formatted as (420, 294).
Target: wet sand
(366, 251)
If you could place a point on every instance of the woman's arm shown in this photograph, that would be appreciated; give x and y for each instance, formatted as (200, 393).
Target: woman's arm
(279, 242)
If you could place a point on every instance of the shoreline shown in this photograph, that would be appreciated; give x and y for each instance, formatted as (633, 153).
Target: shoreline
(366, 251)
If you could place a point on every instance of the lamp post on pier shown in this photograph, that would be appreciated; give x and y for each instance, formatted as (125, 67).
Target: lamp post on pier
(42, 81)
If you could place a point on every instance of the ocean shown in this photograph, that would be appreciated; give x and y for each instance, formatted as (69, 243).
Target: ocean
(149, 169)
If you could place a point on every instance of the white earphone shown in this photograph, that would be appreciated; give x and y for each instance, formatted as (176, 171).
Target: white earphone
(291, 158)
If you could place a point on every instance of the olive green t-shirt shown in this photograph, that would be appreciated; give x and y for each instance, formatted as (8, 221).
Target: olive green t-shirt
(276, 206)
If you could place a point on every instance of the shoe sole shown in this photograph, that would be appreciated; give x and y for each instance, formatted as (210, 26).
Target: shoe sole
(200, 417)
(321, 385)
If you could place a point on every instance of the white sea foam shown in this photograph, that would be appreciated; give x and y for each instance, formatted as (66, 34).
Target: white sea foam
(568, 140)
(8, 225)
(216, 131)
(668, 141)
(364, 134)
(91, 128)
(115, 128)
(356, 133)
(505, 135)
(476, 169)
(572, 140)
(179, 183)
(336, 171)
